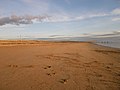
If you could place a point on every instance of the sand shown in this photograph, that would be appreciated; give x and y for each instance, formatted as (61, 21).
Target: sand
(42, 65)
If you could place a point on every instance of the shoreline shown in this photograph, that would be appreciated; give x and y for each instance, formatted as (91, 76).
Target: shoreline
(37, 42)
(106, 46)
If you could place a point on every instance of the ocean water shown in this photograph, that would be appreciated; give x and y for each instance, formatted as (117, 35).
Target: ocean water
(109, 41)
(110, 44)
(105, 41)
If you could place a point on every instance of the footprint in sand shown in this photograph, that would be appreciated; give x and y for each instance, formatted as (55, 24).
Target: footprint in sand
(52, 71)
(47, 67)
(51, 74)
(64, 81)
(48, 74)
(13, 66)
(28, 66)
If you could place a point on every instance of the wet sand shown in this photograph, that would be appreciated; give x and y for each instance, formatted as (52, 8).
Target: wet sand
(42, 65)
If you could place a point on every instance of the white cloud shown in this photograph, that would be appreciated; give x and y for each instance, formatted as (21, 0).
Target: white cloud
(98, 15)
(29, 19)
(104, 34)
(67, 18)
(116, 14)
(116, 19)
(55, 17)
(116, 11)
(18, 20)
(110, 34)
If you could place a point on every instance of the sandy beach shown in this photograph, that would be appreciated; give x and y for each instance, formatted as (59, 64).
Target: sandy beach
(42, 65)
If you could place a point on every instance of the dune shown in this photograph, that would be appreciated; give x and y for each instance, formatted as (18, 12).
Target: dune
(43, 65)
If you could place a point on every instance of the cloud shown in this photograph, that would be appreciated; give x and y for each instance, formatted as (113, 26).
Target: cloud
(116, 11)
(68, 18)
(114, 33)
(101, 34)
(17, 20)
(98, 34)
(29, 19)
(116, 14)
(56, 35)
(65, 17)
(62, 17)
(116, 19)
(98, 15)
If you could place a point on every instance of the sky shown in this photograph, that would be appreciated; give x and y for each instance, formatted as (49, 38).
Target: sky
(58, 18)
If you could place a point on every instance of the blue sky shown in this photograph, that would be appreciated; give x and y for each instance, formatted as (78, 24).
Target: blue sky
(44, 18)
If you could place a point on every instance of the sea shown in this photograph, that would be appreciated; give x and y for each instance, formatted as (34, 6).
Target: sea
(113, 42)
